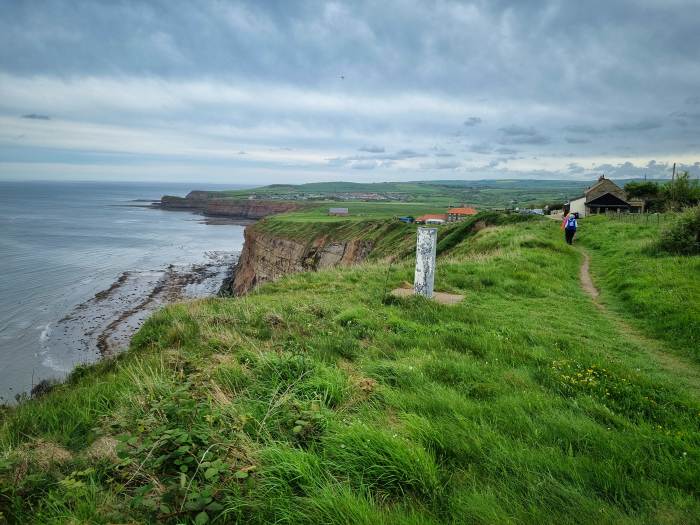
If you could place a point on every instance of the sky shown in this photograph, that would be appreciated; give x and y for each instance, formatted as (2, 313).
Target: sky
(297, 91)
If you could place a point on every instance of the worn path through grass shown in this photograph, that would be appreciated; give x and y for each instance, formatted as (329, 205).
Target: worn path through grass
(685, 369)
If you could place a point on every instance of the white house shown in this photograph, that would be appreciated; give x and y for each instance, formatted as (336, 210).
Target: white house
(578, 206)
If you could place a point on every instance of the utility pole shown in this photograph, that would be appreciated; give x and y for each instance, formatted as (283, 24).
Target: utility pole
(673, 186)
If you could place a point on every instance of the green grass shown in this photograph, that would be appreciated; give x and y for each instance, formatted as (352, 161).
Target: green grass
(482, 193)
(317, 399)
(659, 293)
(362, 211)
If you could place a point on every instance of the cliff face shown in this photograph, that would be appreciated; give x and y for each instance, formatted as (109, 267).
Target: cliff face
(212, 204)
(246, 209)
(266, 257)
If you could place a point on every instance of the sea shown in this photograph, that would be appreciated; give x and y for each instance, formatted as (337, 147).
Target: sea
(83, 264)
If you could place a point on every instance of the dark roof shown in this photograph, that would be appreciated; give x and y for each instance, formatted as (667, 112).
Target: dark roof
(607, 199)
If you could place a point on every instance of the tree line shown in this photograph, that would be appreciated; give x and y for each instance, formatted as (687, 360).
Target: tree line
(675, 195)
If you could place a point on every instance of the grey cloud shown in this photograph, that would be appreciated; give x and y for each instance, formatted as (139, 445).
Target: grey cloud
(374, 160)
(444, 154)
(526, 139)
(686, 115)
(35, 116)
(404, 154)
(641, 125)
(506, 151)
(483, 148)
(634, 126)
(518, 131)
(371, 149)
(584, 129)
(177, 80)
(575, 168)
(514, 134)
(441, 165)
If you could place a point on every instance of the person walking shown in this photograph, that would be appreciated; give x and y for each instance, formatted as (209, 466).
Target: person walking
(569, 226)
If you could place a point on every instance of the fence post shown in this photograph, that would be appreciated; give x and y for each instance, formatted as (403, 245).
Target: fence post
(426, 249)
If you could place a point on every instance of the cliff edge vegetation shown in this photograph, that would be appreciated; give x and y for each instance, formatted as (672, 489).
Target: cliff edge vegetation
(297, 242)
(320, 398)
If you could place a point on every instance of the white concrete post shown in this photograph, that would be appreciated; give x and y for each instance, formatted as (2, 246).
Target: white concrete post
(426, 247)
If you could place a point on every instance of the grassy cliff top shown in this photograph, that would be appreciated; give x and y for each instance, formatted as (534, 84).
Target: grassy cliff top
(320, 399)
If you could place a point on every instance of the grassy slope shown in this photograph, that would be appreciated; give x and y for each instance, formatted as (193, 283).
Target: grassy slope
(660, 294)
(316, 400)
(392, 238)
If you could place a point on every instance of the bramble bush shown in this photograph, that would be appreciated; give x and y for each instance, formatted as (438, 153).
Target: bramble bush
(682, 236)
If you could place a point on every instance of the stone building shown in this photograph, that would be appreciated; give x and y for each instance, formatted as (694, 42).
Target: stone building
(603, 197)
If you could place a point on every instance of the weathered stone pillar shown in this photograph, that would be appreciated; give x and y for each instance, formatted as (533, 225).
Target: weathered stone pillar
(426, 247)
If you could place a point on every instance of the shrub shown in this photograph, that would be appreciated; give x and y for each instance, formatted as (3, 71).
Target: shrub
(683, 235)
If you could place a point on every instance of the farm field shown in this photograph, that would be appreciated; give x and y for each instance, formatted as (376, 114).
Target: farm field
(440, 194)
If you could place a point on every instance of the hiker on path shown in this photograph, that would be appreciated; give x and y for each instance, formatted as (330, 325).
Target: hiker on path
(569, 226)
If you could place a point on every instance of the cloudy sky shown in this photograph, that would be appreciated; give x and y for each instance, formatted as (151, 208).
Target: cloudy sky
(286, 91)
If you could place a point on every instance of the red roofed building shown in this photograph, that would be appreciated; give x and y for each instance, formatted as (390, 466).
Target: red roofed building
(432, 218)
(457, 214)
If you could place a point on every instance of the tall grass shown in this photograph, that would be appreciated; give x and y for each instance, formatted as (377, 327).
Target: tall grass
(659, 292)
(316, 399)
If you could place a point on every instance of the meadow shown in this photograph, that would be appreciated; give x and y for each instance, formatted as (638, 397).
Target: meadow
(321, 398)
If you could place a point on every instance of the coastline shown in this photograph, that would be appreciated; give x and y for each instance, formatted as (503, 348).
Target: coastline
(84, 265)
(103, 325)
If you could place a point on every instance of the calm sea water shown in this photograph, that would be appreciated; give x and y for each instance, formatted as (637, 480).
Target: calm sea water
(61, 243)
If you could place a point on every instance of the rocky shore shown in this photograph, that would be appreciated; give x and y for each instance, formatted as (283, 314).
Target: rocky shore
(104, 325)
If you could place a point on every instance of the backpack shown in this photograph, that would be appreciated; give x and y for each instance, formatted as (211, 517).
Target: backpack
(571, 223)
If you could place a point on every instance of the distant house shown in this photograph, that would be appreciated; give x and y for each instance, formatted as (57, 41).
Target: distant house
(338, 211)
(604, 196)
(408, 219)
(457, 214)
(432, 218)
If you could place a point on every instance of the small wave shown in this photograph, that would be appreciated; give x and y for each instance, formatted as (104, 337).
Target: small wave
(45, 332)
(48, 362)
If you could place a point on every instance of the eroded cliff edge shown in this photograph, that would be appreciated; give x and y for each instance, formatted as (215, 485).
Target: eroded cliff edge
(267, 257)
(213, 204)
(276, 247)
